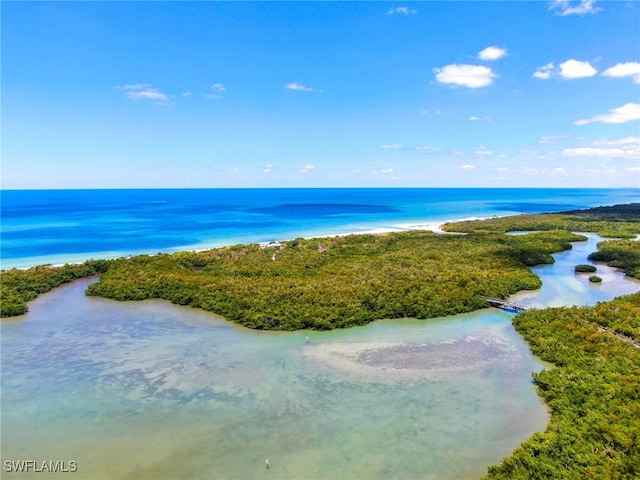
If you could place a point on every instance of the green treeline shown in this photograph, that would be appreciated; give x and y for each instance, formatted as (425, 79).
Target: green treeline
(624, 254)
(593, 393)
(17, 287)
(339, 281)
(618, 221)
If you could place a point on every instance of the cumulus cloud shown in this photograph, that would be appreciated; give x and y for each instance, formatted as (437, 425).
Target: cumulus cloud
(576, 69)
(625, 113)
(402, 11)
(144, 91)
(296, 86)
(544, 72)
(492, 53)
(565, 7)
(629, 69)
(307, 168)
(471, 76)
(569, 70)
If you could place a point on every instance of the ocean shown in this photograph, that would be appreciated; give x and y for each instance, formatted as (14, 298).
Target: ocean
(59, 226)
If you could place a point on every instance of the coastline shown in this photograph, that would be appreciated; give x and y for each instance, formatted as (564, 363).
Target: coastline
(77, 258)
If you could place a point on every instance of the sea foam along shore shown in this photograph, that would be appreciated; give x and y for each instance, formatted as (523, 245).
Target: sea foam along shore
(434, 226)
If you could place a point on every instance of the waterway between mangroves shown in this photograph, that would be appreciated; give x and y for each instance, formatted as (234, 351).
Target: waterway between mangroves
(148, 390)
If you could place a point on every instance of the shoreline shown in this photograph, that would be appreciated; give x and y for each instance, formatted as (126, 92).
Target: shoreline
(429, 225)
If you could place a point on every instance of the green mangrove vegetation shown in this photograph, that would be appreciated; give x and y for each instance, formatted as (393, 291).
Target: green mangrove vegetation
(593, 393)
(617, 221)
(624, 254)
(336, 282)
(17, 287)
(582, 268)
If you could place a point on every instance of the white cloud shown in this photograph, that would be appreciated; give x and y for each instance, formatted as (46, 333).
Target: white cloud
(298, 87)
(619, 141)
(428, 149)
(267, 168)
(565, 7)
(186, 94)
(471, 76)
(386, 170)
(233, 170)
(625, 113)
(482, 151)
(467, 166)
(392, 146)
(217, 89)
(479, 119)
(625, 147)
(402, 11)
(145, 91)
(307, 168)
(629, 69)
(544, 72)
(492, 53)
(576, 69)
(601, 152)
(553, 138)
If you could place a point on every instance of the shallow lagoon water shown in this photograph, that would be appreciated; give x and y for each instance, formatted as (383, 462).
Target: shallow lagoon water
(150, 390)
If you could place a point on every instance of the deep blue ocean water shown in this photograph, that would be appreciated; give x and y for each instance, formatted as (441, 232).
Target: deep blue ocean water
(58, 226)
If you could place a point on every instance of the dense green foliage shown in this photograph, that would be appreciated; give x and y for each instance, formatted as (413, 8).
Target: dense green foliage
(619, 221)
(17, 287)
(595, 279)
(584, 268)
(339, 281)
(593, 393)
(623, 254)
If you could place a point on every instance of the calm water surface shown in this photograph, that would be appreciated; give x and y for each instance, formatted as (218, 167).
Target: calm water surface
(148, 390)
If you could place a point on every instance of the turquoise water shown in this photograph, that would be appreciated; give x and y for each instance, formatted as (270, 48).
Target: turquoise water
(58, 226)
(148, 390)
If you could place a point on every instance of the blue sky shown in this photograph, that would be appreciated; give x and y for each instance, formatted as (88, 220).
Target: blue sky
(320, 94)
